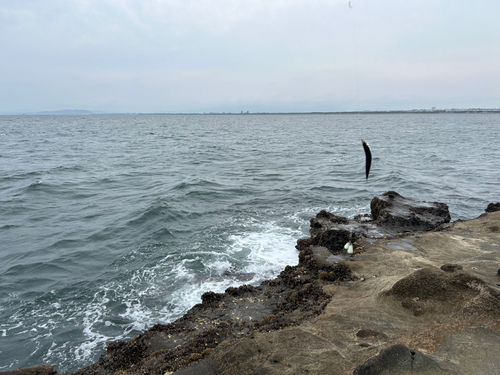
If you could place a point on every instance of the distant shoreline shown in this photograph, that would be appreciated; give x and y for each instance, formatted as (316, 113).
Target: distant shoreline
(333, 113)
(367, 112)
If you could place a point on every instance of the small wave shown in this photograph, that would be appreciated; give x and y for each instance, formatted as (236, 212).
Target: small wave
(158, 210)
(332, 189)
(9, 226)
(197, 183)
(25, 175)
(35, 184)
(269, 177)
(67, 168)
(33, 269)
(40, 186)
(65, 244)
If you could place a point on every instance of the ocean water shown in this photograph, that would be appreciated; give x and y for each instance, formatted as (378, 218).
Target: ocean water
(111, 224)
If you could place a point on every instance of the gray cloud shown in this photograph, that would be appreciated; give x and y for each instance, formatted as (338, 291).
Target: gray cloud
(202, 55)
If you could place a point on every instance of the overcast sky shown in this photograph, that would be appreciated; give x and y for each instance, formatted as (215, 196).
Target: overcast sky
(248, 55)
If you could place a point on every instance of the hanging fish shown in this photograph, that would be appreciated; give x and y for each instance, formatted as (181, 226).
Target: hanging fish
(368, 155)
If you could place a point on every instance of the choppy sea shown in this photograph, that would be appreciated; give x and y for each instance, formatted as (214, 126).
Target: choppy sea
(110, 224)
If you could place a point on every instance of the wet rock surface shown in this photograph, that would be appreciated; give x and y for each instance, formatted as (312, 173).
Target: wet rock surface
(411, 299)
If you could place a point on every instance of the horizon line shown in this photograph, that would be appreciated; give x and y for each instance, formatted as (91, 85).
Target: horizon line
(83, 112)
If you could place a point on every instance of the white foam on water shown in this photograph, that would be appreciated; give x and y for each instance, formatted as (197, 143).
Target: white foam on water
(180, 271)
(147, 283)
(163, 292)
(38, 321)
(269, 250)
(19, 324)
(258, 253)
(218, 267)
(140, 315)
(93, 314)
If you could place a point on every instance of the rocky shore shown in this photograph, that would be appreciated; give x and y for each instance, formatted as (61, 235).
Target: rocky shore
(418, 295)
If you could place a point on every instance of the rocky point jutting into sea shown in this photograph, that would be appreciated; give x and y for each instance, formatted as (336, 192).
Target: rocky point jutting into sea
(419, 295)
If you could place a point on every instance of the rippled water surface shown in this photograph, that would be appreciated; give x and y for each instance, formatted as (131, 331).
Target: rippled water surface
(111, 224)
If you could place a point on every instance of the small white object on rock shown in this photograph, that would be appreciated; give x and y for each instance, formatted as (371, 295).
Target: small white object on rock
(348, 247)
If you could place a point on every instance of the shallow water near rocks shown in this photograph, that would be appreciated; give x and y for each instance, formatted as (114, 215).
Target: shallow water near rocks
(111, 224)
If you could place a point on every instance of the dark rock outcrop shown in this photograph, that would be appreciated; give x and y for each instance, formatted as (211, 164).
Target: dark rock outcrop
(492, 207)
(391, 214)
(392, 211)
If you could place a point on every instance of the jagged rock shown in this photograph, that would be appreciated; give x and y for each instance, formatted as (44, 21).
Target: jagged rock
(333, 239)
(39, 370)
(323, 219)
(492, 207)
(391, 214)
(337, 272)
(391, 210)
(211, 298)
